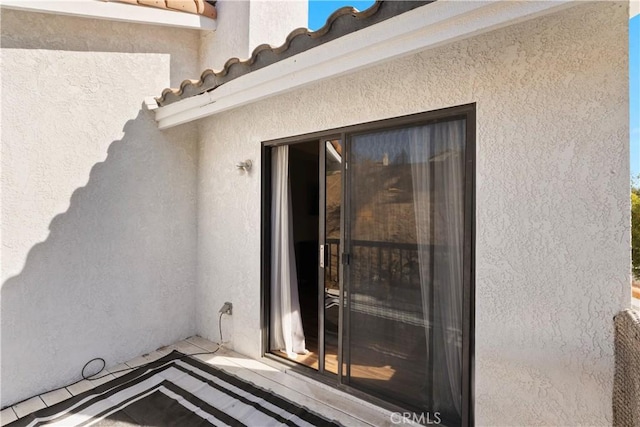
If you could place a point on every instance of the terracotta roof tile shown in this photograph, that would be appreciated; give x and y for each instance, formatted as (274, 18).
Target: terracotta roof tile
(342, 22)
(199, 7)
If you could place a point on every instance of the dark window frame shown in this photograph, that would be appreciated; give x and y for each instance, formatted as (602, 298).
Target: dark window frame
(468, 112)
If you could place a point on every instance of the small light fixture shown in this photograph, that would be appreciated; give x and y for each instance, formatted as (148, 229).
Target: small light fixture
(244, 166)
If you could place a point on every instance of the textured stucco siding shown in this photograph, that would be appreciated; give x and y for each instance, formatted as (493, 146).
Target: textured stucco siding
(552, 221)
(98, 206)
(244, 25)
(264, 16)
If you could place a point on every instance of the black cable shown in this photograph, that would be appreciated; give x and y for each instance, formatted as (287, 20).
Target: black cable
(220, 327)
(93, 377)
(104, 364)
(147, 364)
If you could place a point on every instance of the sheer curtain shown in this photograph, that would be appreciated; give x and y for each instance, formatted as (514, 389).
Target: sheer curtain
(437, 172)
(286, 323)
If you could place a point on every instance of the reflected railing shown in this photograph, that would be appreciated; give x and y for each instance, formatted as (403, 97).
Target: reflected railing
(385, 280)
(396, 262)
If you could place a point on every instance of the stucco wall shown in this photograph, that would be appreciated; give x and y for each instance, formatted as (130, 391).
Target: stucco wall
(272, 21)
(552, 249)
(231, 38)
(243, 25)
(98, 206)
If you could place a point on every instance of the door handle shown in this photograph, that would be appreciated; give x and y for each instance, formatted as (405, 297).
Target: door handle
(321, 256)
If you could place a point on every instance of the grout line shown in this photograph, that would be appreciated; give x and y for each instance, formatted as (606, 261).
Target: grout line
(269, 381)
(108, 375)
(192, 343)
(202, 348)
(315, 399)
(27, 414)
(304, 394)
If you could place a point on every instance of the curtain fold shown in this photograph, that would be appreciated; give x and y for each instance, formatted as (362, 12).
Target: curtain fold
(437, 172)
(286, 322)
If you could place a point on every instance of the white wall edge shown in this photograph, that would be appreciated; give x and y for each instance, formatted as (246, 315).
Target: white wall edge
(425, 27)
(634, 8)
(150, 103)
(114, 11)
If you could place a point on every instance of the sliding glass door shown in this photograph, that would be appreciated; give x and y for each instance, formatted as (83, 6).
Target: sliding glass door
(386, 301)
(405, 239)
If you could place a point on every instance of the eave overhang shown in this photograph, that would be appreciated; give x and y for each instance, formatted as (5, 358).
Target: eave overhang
(424, 27)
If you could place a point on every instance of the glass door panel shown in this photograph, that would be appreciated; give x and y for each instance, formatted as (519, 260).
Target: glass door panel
(404, 239)
(332, 268)
(376, 226)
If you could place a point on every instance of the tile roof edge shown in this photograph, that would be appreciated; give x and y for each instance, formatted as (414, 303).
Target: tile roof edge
(200, 7)
(305, 39)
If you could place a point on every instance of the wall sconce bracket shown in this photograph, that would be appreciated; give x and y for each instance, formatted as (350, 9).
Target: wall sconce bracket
(244, 166)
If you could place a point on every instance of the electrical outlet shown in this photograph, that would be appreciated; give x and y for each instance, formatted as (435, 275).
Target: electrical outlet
(227, 308)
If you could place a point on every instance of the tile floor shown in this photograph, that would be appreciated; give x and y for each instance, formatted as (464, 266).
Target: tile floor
(318, 397)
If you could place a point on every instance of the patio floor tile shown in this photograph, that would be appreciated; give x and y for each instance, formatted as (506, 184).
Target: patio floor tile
(271, 375)
(55, 396)
(28, 406)
(119, 370)
(7, 416)
(80, 387)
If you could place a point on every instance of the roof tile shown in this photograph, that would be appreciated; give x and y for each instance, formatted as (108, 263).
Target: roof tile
(342, 22)
(199, 7)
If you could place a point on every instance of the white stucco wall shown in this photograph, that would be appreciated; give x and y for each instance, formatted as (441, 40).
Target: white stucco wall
(552, 221)
(271, 21)
(98, 206)
(231, 38)
(243, 25)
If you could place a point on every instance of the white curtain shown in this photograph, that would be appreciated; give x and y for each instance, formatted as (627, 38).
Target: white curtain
(437, 171)
(286, 322)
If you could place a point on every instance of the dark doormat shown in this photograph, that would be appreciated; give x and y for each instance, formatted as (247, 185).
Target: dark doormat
(175, 390)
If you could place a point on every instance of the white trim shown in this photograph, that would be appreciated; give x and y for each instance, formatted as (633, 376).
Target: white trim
(425, 27)
(114, 11)
(151, 103)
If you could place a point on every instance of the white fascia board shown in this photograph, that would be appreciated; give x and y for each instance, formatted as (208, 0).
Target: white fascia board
(433, 25)
(113, 11)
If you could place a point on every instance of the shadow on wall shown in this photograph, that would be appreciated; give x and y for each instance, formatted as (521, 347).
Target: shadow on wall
(42, 31)
(116, 275)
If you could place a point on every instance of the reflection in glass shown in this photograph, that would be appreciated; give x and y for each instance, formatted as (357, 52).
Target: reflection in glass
(405, 276)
